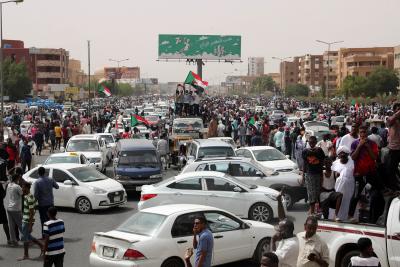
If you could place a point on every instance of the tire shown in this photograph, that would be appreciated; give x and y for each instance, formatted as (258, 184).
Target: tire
(289, 200)
(173, 262)
(345, 261)
(83, 205)
(263, 246)
(261, 212)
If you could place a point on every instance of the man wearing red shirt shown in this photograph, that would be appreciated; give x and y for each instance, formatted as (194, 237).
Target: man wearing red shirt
(364, 153)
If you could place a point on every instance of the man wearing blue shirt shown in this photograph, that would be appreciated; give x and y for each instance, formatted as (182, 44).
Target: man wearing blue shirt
(204, 246)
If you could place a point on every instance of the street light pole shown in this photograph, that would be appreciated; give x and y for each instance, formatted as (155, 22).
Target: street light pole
(328, 70)
(1, 67)
(281, 69)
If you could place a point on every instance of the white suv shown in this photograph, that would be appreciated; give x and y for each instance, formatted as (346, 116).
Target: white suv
(92, 147)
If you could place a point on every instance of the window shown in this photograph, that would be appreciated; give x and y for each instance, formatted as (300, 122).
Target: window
(247, 170)
(183, 225)
(220, 222)
(35, 174)
(216, 184)
(191, 184)
(60, 176)
(203, 167)
(142, 223)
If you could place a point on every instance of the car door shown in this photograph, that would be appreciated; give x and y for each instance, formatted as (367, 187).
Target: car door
(188, 191)
(393, 231)
(251, 175)
(182, 232)
(221, 194)
(232, 238)
(65, 195)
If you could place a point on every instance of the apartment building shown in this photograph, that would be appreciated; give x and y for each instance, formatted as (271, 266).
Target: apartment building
(311, 71)
(289, 73)
(397, 59)
(76, 75)
(362, 61)
(330, 61)
(255, 66)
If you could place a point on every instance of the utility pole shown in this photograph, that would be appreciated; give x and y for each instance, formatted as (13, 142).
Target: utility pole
(89, 109)
(199, 67)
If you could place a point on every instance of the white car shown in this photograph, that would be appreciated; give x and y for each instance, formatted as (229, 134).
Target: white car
(228, 140)
(159, 236)
(269, 157)
(67, 157)
(214, 189)
(92, 146)
(81, 187)
(111, 145)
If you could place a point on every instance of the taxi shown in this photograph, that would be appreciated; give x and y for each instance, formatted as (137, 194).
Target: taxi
(67, 157)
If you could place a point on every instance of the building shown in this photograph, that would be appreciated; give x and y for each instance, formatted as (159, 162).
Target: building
(122, 73)
(333, 70)
(16, 51)
(397, 59)
(362, 61)
(76, 76)
(289, 73)
(276, 77)
(310, 71)
(255, 66)
(50, 66)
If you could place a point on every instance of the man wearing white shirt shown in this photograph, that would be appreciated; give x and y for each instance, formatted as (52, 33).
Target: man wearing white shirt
(349, 138)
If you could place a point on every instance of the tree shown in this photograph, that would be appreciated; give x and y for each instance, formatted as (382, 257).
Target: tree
(138, 90)
(354, 86)
(262, 84)
(16, 79)
(297, 90)
(382, 81)
(124, 89)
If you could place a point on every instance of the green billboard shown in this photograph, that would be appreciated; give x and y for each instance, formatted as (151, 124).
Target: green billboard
(216, 47)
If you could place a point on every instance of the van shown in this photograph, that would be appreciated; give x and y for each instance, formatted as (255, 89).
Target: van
(137, 163)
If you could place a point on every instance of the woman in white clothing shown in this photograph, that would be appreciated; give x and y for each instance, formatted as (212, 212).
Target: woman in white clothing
(345, 183)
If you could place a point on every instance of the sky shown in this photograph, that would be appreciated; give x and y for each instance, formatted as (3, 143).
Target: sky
(120, 29)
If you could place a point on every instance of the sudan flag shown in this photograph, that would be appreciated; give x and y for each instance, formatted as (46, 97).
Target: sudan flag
(194, 80)
(136, 119)
(103, 88)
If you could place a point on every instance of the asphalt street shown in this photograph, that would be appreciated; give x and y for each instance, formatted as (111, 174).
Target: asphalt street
(80, 229)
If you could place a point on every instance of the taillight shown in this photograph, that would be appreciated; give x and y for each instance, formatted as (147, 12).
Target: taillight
(145, 197)
(132, 254)
(93, 248)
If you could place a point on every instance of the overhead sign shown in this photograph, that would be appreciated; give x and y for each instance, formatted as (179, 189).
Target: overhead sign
(217, 47)
(71, 90)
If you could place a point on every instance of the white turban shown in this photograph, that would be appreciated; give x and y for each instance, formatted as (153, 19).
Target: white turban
(344, 149)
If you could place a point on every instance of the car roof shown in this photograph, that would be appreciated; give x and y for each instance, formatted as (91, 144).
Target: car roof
(220, 138)
(199, 174)
(65, 166)
(84, 136)
(69, 154)
(253, 148)
(177, 208)
(210, 143)
(135, 144)
(188, 119)
(222, 159)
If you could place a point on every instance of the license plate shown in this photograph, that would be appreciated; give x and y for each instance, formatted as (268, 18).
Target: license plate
(138, 188)
(117, 199)
(108, 252)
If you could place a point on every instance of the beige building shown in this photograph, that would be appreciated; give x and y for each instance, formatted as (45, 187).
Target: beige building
(397, 59)
(289, 71)
(362, 61)
(276, 77)
(50, 66)
(333, 70)
(255, 66)
(311, 71)
(76, 75)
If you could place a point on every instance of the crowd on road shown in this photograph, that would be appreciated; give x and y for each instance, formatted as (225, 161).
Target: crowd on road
(347, 171)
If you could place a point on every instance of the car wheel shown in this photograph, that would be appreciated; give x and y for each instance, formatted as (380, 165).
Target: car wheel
(261, 212)
(289, 200)
(263, 246)
(83, 205)
(173, 262)
(345, 261)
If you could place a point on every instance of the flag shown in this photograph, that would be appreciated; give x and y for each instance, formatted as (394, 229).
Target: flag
(194, 80)
(103, 89)
(252, 121)
(135, 119)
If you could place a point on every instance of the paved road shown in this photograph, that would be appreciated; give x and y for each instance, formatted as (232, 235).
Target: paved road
(80, 229)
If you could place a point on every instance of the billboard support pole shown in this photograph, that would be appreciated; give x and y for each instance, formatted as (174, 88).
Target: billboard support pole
(199, 67)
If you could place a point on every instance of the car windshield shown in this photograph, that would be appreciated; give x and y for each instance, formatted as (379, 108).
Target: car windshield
(188, 125)
(268, 155)
(108, 138)
(139, 158)
(87, 174)
(142, 223)
(66, 159)
(82, 145)
(215, 151)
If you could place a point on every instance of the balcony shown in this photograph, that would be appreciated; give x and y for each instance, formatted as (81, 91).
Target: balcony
(48, 63)
(49, 75)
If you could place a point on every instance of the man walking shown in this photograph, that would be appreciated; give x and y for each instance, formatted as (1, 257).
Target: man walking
(203, 246)
(14, 208)
(393, 123)
(313, 251)
(53, 231)
(44, 194)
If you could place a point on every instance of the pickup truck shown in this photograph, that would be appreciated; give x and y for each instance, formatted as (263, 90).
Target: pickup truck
(342, 237)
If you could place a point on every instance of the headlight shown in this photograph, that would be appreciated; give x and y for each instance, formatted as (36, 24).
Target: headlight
(155, 176)
(272, 197)
(95, 160)
(98, 191)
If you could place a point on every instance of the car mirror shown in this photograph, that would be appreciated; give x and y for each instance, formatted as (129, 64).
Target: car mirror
(287, 156)
(62, 149)
(116, 160)
(68, 182)
(245, 225)
(237, 189)
(190, 158)
(259, 174)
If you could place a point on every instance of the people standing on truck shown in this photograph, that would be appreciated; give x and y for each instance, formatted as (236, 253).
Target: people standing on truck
(313, 251)
(364, 153)
(344, 166)
(393, 123)
(367, 255)
(312, 171)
